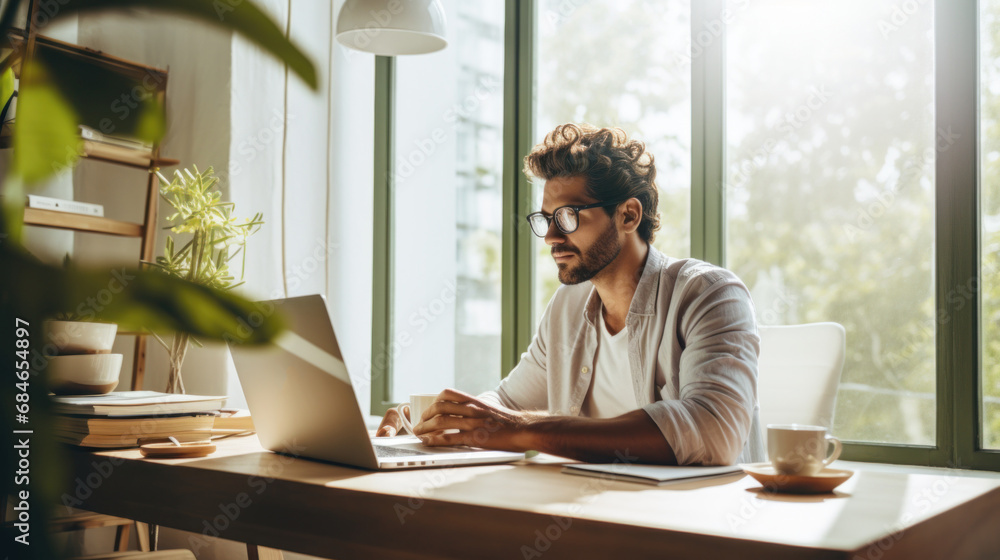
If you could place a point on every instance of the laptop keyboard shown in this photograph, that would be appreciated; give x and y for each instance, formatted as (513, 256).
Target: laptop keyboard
(386, 451)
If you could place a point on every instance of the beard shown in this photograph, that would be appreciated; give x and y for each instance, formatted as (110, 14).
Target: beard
(601, 254)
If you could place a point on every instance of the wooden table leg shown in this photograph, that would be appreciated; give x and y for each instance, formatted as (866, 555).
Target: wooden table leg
(142, 535)
(121, 537)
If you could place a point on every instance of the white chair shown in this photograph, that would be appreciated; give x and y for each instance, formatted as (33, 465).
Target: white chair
(799, 372)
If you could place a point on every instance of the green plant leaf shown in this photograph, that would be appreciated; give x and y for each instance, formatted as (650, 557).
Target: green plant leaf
(12, 214)
(46, 139)
(111, 102)
(135, 299)
(243, 17)
(6, 86)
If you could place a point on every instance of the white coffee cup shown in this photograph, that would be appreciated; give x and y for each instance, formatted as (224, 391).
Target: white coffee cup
(800, 450)
(416, 407)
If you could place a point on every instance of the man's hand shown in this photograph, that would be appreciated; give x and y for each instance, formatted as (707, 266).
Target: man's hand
(457, 418)
(391, 424)
(479, 424)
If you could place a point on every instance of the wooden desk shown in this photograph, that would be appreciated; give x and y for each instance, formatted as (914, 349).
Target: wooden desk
(531, 510)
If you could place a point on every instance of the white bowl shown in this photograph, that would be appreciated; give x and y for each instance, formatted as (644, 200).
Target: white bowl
(80, 337)
(84, 374)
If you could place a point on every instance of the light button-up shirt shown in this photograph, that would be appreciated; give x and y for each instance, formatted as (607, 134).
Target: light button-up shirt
(692, 354)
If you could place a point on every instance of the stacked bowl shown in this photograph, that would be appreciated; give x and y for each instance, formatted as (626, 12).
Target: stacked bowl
(81, 362)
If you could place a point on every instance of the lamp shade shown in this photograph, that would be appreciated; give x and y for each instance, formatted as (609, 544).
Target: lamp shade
(392, 27)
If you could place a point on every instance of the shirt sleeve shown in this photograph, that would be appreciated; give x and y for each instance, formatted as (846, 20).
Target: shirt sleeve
(711, 420)
(526, 388)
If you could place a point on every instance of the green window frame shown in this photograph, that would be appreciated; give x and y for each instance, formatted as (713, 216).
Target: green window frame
(957, 242)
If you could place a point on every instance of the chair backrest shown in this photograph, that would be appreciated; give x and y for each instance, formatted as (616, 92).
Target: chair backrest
(799, 372)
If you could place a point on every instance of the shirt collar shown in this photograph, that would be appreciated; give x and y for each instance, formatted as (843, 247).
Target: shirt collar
(644, 299)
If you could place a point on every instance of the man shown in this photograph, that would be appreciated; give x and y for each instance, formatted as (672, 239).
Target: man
(638, 356)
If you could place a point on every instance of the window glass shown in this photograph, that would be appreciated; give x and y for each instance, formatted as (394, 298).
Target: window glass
(619, 63)
(830, 192)
(447, 208)
(989, 59)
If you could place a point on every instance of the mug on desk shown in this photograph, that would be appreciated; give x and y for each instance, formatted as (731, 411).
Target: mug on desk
(417, 405)
(800, 450)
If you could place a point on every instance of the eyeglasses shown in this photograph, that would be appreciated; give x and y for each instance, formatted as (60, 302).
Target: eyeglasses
(567, 218)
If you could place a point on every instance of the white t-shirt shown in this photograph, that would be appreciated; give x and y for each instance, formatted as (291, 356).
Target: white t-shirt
(611, 393)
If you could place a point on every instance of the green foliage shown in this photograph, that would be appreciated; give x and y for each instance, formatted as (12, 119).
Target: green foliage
(990, 201)
(838, 217)
(135, 299)
(71, 314)
(216, 236)
(242, 17)
(6, 86)
(46, 138)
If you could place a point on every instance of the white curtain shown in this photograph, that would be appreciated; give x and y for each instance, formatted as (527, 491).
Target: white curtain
(304, 159)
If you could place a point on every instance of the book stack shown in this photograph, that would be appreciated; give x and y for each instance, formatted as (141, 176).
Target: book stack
(93, 135)
(234, 420)
(123, 418)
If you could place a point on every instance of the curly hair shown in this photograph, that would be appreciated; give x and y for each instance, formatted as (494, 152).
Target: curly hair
(615, 168)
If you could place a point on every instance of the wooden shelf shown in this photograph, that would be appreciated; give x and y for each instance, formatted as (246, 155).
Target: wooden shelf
(81, 66)
(132, 157)
(88, 55)
(79, 222)
(138, 158)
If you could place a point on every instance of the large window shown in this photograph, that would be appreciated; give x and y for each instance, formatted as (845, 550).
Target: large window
(989, 135)
(446, 210)
(830, 193)
(626, 64)
(824, 151)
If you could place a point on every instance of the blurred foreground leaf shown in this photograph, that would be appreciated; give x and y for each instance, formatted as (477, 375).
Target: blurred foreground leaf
(241, 16)
(6, 87)
(111, 102)
(134, 299)
(46, 139)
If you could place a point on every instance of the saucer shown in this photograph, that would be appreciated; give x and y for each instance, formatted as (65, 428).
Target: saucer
(181, 450)
(821, 483)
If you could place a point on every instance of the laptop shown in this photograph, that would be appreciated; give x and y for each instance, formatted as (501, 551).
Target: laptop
(303, 403)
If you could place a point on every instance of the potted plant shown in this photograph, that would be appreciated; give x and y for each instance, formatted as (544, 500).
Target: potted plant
(214, 237)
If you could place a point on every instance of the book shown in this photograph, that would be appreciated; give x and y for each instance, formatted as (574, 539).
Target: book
(135, 403)
(656, 475)
(234, 419)
(142, 426)
(127, 432)
(94, 135)
(113, 152)
(60, 205)
(127, 440)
